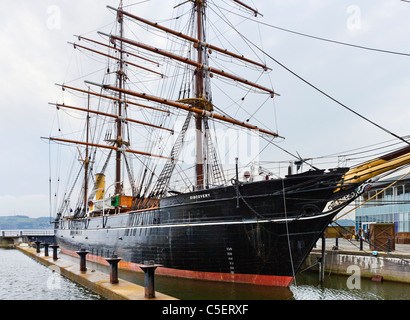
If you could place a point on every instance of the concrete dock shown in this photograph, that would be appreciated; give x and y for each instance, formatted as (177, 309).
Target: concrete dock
(346, 258)
(96, 281)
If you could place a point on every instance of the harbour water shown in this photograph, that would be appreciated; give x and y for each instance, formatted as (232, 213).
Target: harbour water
(22, 278)
(306, 287)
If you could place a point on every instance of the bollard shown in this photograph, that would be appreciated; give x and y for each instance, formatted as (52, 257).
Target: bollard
(336, 246)
(82, 253)
(361, 244)
(319, 263)
(37, 246)
(46, 249)
(149, 275)
(54, 247)
(113, 261)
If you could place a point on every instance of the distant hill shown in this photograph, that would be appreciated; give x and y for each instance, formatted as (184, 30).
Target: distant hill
(24, 222)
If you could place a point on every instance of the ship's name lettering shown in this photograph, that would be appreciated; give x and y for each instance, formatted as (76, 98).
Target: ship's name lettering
(200, 196)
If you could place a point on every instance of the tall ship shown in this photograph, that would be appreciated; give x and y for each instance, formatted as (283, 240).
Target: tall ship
(157, 136)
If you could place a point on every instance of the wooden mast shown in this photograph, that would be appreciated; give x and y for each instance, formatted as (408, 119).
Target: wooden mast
(64, 87)
(108, 147)
(120, 77)
(190, 62)
(123, 51)
(197, 110)
(86, 161)
(115, 58)
(247, 7)
(208, 113)
(201, 73)
(195, 41)
(59, 105)
(200, 104)
(200, 94)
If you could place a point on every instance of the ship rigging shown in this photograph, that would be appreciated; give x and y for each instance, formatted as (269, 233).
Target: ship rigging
(195, 97)
(183, 209)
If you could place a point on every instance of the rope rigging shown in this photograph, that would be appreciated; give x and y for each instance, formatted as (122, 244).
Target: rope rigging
(259, 22)
(154, 140)
(316, 88)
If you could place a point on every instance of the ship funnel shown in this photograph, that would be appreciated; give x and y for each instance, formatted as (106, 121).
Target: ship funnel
(100, 186)
(377, 166)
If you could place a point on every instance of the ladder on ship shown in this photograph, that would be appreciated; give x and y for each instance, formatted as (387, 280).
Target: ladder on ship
(216, 171)
(165, 176)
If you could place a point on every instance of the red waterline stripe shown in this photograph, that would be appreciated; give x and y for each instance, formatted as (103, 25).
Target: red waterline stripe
(279, 281)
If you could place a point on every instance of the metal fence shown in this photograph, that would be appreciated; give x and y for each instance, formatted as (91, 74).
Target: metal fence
(28, 233)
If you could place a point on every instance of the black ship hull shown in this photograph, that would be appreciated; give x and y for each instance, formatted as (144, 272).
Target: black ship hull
(259, 232)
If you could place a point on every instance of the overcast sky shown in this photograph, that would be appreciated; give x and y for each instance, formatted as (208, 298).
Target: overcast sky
(34, 55)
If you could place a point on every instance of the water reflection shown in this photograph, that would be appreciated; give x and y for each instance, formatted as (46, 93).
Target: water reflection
(306, 287)
(22, 278)
(336, 287)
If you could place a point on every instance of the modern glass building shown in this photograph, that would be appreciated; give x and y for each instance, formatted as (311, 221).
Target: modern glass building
(389, 206)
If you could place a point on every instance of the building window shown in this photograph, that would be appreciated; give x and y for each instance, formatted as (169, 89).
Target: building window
(400, 190)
